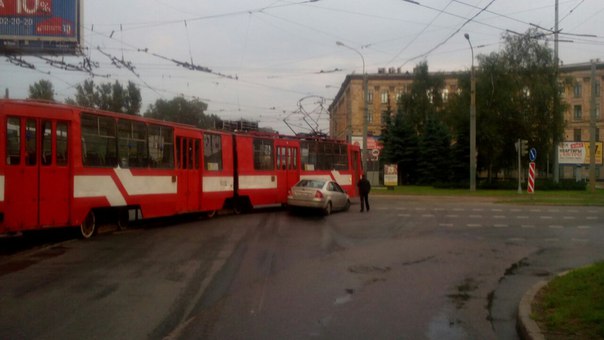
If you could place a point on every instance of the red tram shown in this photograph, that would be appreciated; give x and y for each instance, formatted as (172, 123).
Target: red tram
(64, 165)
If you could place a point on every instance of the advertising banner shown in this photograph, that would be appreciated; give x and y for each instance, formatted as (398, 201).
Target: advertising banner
(390, 175)
(39, 26)
(577, 153)
(373, 145)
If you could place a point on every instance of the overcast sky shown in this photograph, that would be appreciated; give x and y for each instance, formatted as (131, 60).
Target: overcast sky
(267, 55)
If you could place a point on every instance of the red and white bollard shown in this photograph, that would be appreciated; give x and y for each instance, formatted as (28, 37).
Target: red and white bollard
(531, 178)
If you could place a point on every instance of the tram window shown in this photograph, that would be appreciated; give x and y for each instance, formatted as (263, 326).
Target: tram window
(179, 157)
(13, 141)
(281, 158)
(184, 153)
(263, 154)
(46, 156)
(61, 143)
(196, 155)
(190, 154)
(161, 147)
(294, 158)
(99, 144)
(31, 142)
(324, 156)
(132, 144)
(212, 152)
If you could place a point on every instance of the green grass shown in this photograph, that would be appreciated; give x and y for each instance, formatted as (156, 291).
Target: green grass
(572, 306)
(505, 196)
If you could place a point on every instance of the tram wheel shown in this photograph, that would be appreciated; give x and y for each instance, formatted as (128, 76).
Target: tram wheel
(122, 219)
(211, 213)
(88, 226)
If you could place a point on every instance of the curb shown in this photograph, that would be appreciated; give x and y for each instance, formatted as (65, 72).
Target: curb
(527, 327)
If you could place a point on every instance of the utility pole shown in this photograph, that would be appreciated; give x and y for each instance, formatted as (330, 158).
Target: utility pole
(556, 101)
(472, 120)
(592, 129)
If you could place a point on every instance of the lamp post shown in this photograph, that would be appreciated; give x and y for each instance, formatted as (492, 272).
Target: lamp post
(366, 108)
(472, 120)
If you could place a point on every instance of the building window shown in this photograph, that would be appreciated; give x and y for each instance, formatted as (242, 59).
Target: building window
(577, 135)
(577, 114)
(597, 88)
(598, 111)
(370, 96)
(384, 97)
(577, 90)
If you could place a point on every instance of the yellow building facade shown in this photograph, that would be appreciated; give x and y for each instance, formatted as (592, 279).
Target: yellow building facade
(387, 85)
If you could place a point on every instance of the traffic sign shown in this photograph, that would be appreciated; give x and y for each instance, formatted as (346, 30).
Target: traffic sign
(532, 154)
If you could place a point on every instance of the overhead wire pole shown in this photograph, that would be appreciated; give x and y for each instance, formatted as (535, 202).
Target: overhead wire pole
(592, 129)
(365, 104)
(556, 99)
(472, 120)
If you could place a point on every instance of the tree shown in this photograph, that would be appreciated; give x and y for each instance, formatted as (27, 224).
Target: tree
(401, 146)
(107, 96)
(533, 66)
(433, 165)
(42, 89)
(181, 110)
(514, 99)
(409, 139)
(425, 98)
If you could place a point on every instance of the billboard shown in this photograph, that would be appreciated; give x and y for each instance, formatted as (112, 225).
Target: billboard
(390, 175)
(40, 26)
(374, 146)
(577, 153)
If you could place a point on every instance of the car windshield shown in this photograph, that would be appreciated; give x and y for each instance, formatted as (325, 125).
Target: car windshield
(311, 183)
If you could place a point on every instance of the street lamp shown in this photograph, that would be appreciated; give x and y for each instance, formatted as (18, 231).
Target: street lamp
(366, 108)
(472, 120)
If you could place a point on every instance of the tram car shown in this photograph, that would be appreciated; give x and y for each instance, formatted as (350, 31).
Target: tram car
(69, 166)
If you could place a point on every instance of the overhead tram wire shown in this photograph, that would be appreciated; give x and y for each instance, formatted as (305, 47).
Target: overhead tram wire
(423, 55)
(190, 66)
(420, 33)
(571, 11)
(145, 25)
(457, 15)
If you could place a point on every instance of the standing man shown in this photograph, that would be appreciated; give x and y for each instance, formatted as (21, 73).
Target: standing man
(364, 189)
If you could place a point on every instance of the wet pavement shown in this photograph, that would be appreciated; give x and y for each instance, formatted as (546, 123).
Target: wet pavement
(412, 268)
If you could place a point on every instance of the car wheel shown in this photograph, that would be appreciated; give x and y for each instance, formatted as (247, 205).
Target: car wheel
(327, 210)
(347, 206)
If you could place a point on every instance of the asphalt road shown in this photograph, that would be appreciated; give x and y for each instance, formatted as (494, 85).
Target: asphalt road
(412, 268)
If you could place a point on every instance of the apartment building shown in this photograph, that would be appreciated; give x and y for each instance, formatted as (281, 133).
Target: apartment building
(387, 85)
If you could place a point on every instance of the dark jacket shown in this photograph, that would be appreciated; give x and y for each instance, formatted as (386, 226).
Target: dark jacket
(364, 186)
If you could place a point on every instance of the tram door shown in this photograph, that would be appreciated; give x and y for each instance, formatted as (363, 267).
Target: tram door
(189, 175)
(53, 166)
(37, 173)
(288, 169)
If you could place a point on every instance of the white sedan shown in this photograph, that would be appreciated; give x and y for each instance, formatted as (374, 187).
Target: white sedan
(318, 194)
